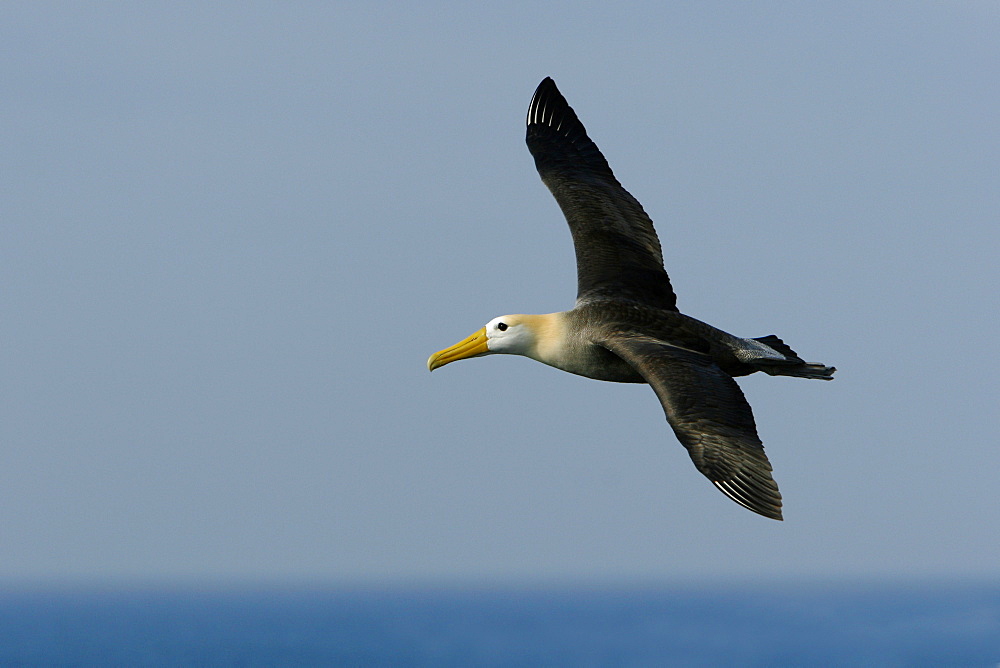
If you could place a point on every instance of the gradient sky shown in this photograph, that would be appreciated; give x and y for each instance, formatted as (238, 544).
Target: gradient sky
(233, 233)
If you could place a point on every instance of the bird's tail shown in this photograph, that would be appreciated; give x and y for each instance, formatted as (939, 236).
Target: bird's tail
(804, 370)
(793, 365)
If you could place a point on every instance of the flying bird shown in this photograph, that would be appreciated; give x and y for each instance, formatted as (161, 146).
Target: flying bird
(625, 326)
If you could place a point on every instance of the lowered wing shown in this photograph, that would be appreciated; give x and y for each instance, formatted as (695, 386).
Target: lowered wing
(710, 417)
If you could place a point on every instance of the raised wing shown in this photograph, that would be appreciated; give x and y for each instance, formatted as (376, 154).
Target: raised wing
(710, 416)
(618, 255)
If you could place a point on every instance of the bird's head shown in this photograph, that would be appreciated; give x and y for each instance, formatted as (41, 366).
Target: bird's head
(508, 334)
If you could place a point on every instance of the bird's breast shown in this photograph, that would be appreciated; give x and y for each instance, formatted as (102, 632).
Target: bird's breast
(584, 358)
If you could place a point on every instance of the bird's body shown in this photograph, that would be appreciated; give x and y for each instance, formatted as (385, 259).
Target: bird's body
(625, 326)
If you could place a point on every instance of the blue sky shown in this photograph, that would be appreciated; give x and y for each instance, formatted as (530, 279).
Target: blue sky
(233, 233)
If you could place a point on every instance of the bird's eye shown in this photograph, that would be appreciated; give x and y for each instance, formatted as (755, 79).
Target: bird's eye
(502, 326)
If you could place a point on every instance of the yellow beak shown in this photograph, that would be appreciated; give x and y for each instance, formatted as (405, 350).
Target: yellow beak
(470, 347)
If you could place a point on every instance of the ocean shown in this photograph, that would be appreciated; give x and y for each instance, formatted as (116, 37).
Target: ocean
(819, 625)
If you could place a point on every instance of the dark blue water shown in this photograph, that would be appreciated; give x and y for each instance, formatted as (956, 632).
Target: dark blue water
(915, 625)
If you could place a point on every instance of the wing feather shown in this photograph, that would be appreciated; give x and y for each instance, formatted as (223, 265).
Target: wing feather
(618, 254)
(710, 416)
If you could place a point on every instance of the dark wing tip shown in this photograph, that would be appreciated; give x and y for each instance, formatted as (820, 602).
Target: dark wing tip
(549, 109)
(760, 496)
(556, 136)
(546, 98)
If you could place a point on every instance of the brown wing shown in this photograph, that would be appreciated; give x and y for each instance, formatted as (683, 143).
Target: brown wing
(618, 255)
(710, 416)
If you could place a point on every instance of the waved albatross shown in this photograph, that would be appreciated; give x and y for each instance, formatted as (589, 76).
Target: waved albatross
(625, 326)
